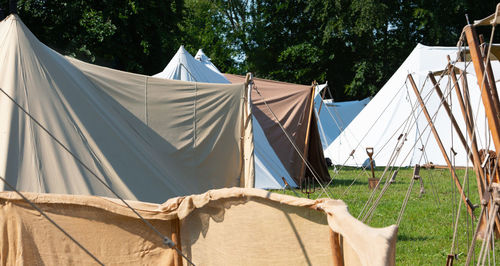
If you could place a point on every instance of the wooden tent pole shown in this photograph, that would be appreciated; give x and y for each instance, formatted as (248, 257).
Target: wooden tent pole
(440, 144)
(489, 94)
(175, 227)
(466, 98)
(489, 105)
(248, 78)
(489, 74)
(247, 179)
(337, 252)
(474, 155)
(467, 103)
(306, 145)
(448, 111)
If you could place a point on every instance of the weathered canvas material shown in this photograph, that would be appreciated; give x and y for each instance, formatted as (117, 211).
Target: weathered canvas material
(291, 103)
(235, 226)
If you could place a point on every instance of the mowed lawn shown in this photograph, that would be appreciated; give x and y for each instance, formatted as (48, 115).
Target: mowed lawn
(426, 230)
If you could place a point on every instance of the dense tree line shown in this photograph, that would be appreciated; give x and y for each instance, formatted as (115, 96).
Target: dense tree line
(354, 44)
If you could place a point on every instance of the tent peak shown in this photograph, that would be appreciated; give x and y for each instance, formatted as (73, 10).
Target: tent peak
(201, 56)
(12, 17)
(184, 66)
(182, 50)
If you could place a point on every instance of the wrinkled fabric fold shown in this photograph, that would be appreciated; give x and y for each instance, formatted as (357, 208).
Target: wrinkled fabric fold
(220, 227)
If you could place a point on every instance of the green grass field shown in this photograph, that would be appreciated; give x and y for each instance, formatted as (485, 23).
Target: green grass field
(426, 230)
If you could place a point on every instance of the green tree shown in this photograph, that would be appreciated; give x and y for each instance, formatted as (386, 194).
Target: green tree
(137, 36)
(355, 45)
(203, 27)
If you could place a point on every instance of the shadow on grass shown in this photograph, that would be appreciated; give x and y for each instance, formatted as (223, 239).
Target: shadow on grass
(403, 237)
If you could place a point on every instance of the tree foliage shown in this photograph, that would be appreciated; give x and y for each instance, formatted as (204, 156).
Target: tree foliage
(129, 35)
(355, 45)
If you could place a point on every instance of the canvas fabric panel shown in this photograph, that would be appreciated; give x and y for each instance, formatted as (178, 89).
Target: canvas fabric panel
(291, 105)
(203, 122)
(220, 227)
(27, 238)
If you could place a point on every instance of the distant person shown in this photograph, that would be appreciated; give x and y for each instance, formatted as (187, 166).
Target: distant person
(366, 164)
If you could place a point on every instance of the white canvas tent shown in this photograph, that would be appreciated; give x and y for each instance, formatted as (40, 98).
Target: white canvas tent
(172, 138)
(268, 167)
(183, 66)
(204, 59)
(334, 117)
(395, 112)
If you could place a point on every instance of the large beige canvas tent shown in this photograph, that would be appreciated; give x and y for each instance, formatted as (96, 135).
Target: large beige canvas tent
(147, 138)
(292, 106)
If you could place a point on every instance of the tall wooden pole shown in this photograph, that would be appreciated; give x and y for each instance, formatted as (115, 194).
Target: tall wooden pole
(440, 144)
(337, 252)
(489, 74)
(489, 103)
(448, 111)
(493, 88)
(306, 144)
(466, 98)
(467, 114)
(489, 94)
(175, 227)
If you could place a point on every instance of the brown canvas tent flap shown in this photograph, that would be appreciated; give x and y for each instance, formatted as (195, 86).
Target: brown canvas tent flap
(236, 226)
(291, 104)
